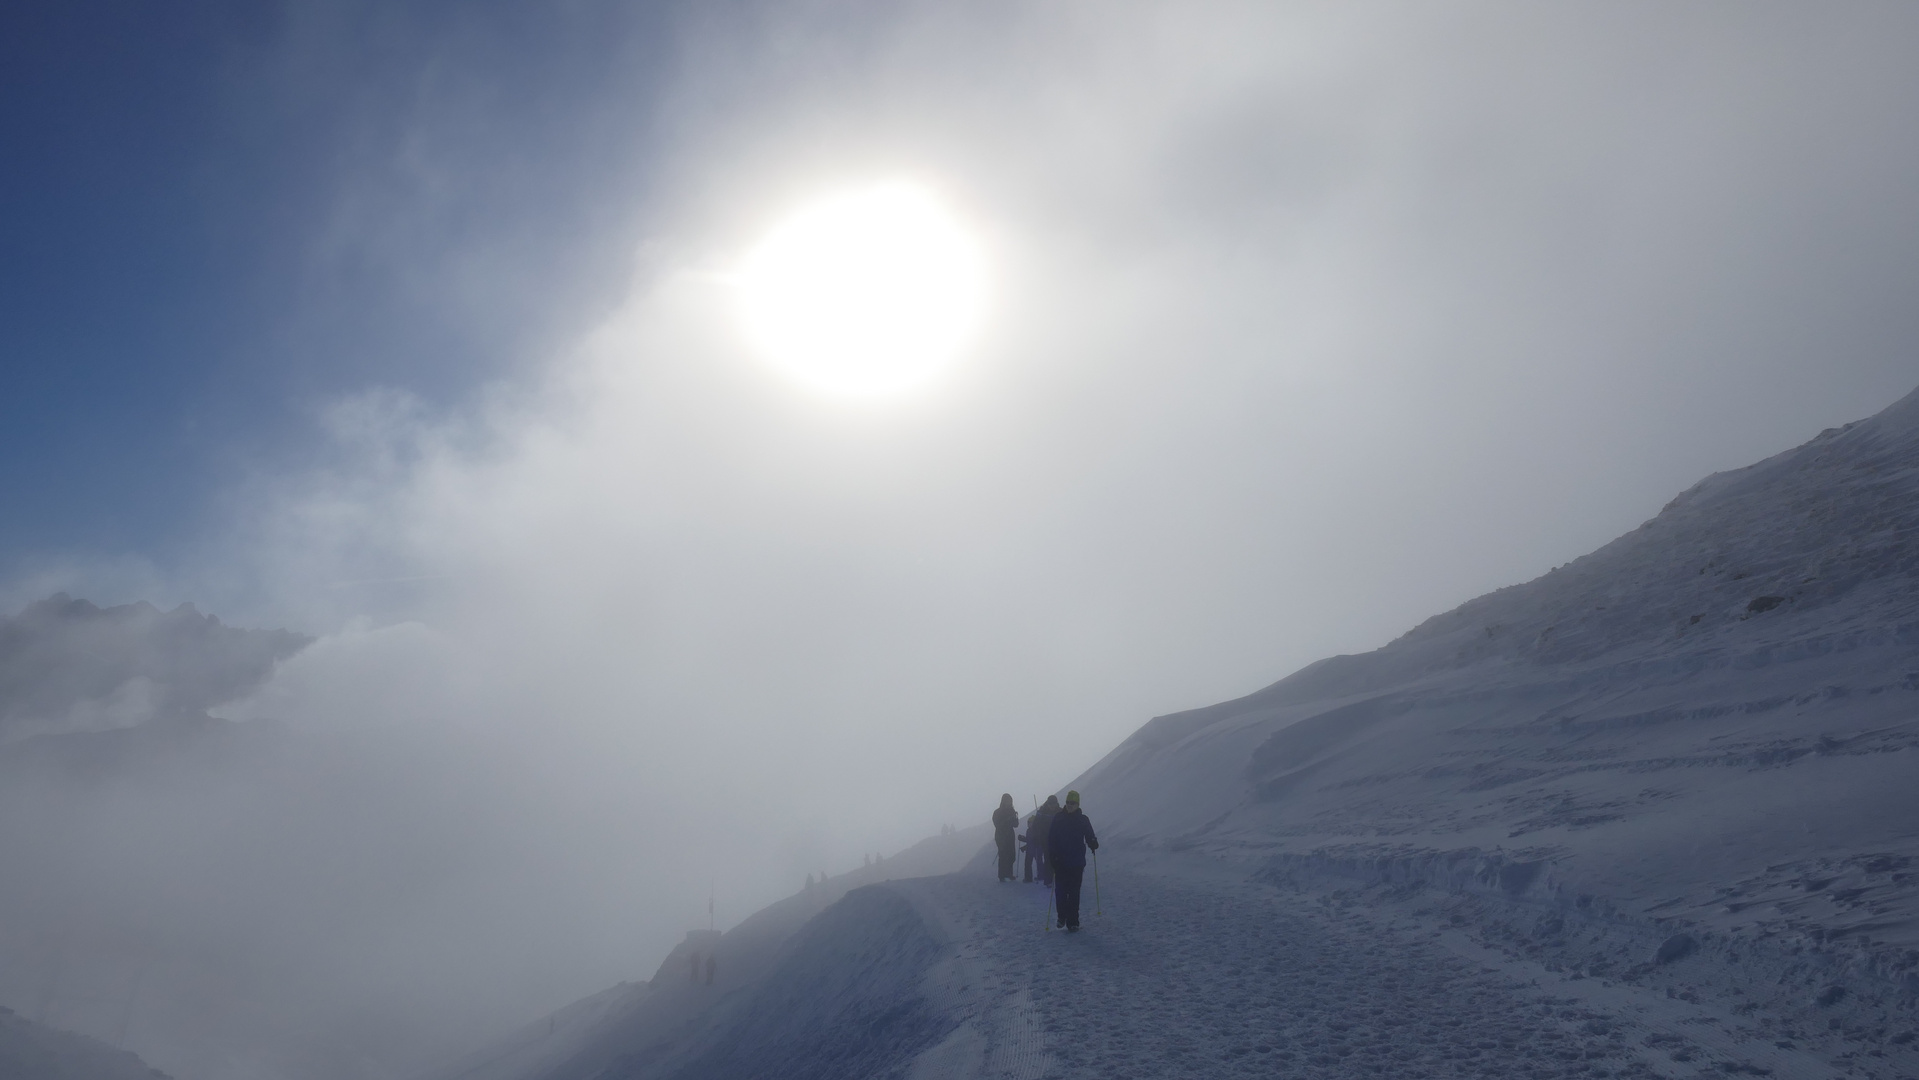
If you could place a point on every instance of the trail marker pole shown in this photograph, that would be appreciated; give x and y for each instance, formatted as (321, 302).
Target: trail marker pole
(1096, 909)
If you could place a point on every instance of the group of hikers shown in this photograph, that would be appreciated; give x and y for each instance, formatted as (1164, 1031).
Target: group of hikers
(1056, 841)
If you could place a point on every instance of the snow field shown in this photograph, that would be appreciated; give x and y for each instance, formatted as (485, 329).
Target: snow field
(1699, 1003)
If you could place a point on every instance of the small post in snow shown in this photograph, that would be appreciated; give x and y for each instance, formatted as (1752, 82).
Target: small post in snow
(1096, 909)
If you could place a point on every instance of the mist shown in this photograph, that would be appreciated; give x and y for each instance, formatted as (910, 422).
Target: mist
(1306, 322)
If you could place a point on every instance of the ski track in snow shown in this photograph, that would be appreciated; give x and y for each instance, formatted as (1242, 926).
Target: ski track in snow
(1202, 974)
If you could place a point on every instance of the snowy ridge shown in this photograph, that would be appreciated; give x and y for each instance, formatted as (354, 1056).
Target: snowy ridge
(1652, 814)
(1758, 633)
(677, 1022)
(1704, 726)
(30, 1051)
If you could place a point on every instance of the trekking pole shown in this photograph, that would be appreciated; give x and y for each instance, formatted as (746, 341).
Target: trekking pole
(1096, 909)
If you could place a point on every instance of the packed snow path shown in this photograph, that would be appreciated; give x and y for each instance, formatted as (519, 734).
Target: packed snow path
(1199, 973)
(1202, 967)
(1192, 979)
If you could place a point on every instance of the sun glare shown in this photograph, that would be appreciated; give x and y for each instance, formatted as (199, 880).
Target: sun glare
(867, 294)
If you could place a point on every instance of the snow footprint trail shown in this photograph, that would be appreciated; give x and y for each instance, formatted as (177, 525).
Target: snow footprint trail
(1203, 979)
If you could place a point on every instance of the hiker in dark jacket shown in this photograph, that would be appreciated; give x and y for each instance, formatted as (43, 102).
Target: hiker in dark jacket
(1040, 835)
(1005, 824)
(1067, 840)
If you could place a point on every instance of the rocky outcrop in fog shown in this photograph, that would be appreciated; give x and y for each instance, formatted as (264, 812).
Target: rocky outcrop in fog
(30, 1051)
(71, 665)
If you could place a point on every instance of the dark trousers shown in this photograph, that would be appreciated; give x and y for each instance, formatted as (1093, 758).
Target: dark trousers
(1005, 856)
(1030, 856)
(1066, 881)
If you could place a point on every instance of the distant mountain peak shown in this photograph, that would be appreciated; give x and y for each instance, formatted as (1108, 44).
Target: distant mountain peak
(68, 664)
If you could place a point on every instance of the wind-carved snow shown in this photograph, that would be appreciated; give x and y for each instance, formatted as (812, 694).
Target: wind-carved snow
(1647, 815)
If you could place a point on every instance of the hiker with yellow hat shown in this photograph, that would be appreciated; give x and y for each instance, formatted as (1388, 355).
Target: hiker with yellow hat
(1067, 841)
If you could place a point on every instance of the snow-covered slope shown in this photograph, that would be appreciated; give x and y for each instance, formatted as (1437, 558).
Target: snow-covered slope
(30, 1051)
(680, 1020)
(1653, 814)
(1704, 717)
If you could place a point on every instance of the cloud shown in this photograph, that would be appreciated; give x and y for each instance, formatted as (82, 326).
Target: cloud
(69, 665)
(1315, 320)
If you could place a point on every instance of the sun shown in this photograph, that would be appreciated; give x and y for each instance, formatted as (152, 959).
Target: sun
(866, 294)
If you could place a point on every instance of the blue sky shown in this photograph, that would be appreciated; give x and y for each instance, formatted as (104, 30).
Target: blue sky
(196, 198)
